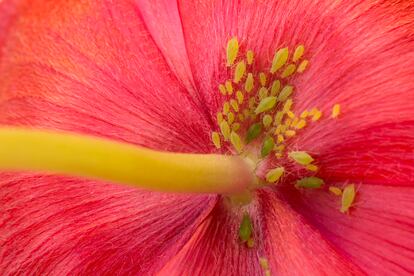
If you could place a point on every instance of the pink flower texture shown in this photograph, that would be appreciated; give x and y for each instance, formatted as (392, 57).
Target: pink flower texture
(318, 95)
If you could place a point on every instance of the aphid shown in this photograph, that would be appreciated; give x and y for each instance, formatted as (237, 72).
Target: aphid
(267, 120)
(289, 70)
(216, 139)
(348, 197)
(249, 84)
(222, 89)
(301, 157)
(309, 182)
(265, 104)
(229, 87)
(236, 142)
(302, 66)
(298, 53)
(225, 129)
(285, 93)
(275, 88)
(239, 96)
(239, 71)
(232, 51)
(279, 59)
(253, 132)
(246, 228)
(275, 174)
(267, 146)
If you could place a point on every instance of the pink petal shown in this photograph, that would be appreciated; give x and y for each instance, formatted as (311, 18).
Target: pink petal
(215, 248)
(293, 246)
(59, 226)
(377, 235)
(163, 21)
(94, 68)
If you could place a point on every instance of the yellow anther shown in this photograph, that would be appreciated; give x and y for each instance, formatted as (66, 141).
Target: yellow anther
(290, 114)
(267, 120)
(229, 87)
(239, 71)
(263, 92)
(287, 105)
(290, 133)
(280, 148)
(302, 66)
(230, 118)
(312, 167)
(335, 190)
(317, 115)
(222, 89)
(225, 129)
(336, 110)
(280, 138)
(236, 141)
(283, 128)
(301, 157)
(278, 155)
(295, 122)
(219, 117)
(289, 70)
(279, 59)
(301, 124)
(275, 88)
(239, 96)
(285, 93)
(279, 117)
(274, 174)
(226, 108)
(288, 122)
(235, 126)
(262, 78)
(249, 57)
(234, 105)
(215, 137)
(249, 84)
(348, 197)
(252, 102)
(298, 53)
(278, 129)
(232, 51)
(266, 104)
(304, 114)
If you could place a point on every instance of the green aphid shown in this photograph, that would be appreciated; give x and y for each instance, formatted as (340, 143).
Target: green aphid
(246, 228)
(253, 132)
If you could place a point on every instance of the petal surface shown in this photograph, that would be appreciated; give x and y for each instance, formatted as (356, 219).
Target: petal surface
(93, 67)
(52, 225)
(377, 234)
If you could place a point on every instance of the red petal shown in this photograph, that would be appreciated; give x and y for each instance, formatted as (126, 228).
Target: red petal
(215, 248)
(52, 225)
(377, 235)
(163, 21)
(382, 154)
(93, 67)
(293, 246)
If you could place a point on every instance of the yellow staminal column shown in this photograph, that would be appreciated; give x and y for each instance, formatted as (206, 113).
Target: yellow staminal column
(104, 159)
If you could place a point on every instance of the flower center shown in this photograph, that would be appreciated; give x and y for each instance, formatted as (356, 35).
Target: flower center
(257, 120)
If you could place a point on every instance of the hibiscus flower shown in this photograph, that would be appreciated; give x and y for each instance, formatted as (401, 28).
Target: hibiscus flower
(293, 119)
